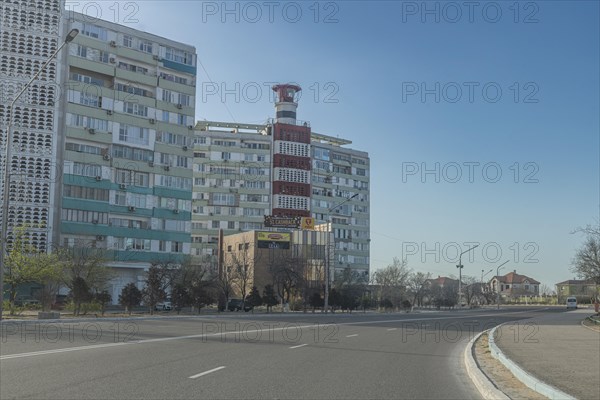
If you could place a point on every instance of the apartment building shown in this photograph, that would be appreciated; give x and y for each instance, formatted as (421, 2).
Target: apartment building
(243, 172)
(127, 160)
(31, 32)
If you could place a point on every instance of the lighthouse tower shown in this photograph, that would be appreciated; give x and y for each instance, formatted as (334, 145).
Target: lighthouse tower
(291, 157)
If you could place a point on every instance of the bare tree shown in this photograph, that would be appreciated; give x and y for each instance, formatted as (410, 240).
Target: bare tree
(241, 264)
(84, 271)
(392, 281)
(586, 263)
(417, 283)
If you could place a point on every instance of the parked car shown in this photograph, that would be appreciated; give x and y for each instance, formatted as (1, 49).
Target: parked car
(163, 306)
(236, 305)
(571, 303)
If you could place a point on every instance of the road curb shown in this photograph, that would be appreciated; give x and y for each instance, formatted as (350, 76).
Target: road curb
(526, 378)
(486, 388)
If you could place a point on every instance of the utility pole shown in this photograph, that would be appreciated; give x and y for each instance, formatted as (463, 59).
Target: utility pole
(460, 267)
(498, 286)
(328, 254)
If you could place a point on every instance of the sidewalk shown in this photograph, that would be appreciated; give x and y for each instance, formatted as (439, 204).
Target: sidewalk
(556, 349)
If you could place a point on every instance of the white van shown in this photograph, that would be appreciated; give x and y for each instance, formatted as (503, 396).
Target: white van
(571, 303)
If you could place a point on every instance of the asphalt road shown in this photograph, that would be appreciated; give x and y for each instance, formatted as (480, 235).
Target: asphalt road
(244, 356)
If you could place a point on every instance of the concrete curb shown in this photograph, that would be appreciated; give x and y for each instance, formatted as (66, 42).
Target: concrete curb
(589, 327)
(529, 380)
(482, 383)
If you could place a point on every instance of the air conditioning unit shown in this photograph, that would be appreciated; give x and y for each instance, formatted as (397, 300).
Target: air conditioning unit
(185, 148)
(175, 211)
(95, 222)
(112, 60)
(151, 163)
(99, 237)
(106, 157)
(166, 168)
(109, 112)
(152, 120)
(180, 106)
(131, 208)
(225, 160)
(98, 178)
(122, 186)
(156, 57)
(190, 127)
(210, 214)
(113, 43)
(91, 131)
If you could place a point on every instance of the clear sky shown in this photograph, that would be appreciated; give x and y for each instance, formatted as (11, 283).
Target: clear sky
(470, 89)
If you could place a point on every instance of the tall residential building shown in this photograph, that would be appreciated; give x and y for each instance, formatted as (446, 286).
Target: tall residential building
(31, 31)
(127, 160)
(243, 172)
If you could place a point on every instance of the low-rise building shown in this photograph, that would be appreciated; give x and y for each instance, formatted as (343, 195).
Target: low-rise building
(514, 285)
(260, 258)
(582, 289)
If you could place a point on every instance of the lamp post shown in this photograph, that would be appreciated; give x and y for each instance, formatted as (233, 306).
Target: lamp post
(460, 267)
(7, 155)
(483, 276)
(486, 274)
(328, 261)
(497, 288)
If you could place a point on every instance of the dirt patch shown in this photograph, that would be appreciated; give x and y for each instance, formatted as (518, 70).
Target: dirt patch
(500, 376)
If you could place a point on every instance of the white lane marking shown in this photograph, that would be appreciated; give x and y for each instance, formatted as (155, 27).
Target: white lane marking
(356, 334)
(205, 372)
(392, 329)
(43, 352)
(300, 345)
(272, 329)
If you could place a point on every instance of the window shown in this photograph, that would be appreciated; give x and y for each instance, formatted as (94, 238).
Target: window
(131, 153)
(86, 169)
(83, 148)
(134, 134)
(230, 225)
(162, 245)
(215, 224)
(135, 109)
(127, 41)
(176, 247)
(175, 182)
(80, 192)
(178, 56)
(93, 31)
(86, 79)
(89, 122)
(166, 96)
(93, 217)
(90, 99)
(225, 156)
(145, 46)
(223, 199)
(132, 244)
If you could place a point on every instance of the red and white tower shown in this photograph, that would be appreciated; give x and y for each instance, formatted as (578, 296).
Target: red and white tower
(291, 157)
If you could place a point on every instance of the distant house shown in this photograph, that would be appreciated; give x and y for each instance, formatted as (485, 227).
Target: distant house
(442, 281)
(514, 285)
(441, 291)
(582, 289)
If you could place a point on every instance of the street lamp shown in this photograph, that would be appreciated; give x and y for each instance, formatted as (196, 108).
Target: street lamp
(497, 288)
(7, 155)
(486, 274)
(460, 267)
(328, 261)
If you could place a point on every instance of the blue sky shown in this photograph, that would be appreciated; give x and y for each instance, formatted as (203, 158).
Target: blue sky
(363, 66)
